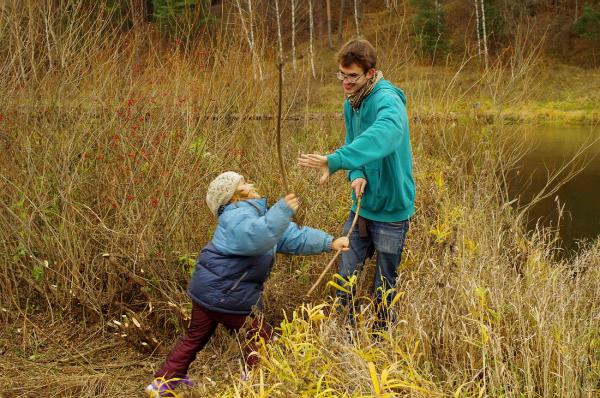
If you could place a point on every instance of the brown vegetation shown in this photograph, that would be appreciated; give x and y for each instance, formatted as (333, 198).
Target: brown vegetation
(108, 140)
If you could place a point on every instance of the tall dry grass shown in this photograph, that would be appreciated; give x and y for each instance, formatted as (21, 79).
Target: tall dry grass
(110, 136)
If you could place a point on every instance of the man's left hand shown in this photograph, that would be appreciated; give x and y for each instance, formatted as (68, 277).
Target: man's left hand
(358, 186)
(316, 162)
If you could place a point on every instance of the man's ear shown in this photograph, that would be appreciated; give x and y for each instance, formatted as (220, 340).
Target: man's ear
(371, 72)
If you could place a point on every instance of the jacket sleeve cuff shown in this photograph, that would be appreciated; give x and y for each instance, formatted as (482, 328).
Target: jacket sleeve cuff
(328, 243)
(334, 162)
(354, 174)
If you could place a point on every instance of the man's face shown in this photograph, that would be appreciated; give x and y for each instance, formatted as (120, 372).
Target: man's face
(354, 78)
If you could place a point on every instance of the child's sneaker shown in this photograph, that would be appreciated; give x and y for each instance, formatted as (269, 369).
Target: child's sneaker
(162, 387)
(245, 376)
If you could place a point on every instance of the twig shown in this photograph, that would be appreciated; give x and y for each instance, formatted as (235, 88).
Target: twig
(316, 284)
(87, 353)
(79, 358)
(141, 362)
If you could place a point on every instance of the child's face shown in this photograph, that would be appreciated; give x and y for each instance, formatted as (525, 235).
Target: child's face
(247, 189)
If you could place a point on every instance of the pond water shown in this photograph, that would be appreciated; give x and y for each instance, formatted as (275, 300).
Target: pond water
(549, 147)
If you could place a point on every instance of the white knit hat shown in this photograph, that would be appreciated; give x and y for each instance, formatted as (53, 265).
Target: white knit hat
(221, 189)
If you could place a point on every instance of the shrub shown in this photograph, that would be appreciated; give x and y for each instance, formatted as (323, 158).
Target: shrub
(588, 25)
(181, 17)
(429, 26)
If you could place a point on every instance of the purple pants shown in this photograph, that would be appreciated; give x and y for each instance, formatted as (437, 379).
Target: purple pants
(202, 327)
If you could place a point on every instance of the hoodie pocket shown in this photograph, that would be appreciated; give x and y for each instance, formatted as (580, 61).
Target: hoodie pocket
(373, 201)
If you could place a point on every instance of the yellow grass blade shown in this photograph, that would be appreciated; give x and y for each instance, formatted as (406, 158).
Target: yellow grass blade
(397, 298)
(338, 287)
(374, 379)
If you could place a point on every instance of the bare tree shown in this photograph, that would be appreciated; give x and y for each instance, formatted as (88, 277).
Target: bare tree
(140, 11)
(249, 31)
(312, 28)
(341, 22)
(485, 47)
(254, 54)
(294, 34)
(251, 23)
(279, 31)
(478, 24)
(329, 42)
(356, 17)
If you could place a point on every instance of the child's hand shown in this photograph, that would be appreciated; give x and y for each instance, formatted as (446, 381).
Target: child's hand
(292, 201)
(342, 244)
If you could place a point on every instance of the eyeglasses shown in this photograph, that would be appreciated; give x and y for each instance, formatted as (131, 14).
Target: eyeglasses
(352, 78)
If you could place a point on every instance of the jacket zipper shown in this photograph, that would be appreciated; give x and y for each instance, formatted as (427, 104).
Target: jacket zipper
(357, 112)
(237, 282)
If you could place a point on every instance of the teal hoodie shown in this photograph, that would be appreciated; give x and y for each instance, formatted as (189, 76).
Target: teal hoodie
(378, 149)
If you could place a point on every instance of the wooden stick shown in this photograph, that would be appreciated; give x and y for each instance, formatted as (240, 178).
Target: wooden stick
(286, 189)
(316, 284)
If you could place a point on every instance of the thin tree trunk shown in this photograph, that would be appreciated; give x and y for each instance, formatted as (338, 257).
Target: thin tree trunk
(247, 32)
(294, 35)
(341, 22)
(136, 10)
(312, 58)
(254, 54)
(279, 31)
(252, 48)
(485, 47)
(477, 29)
(438, 13)
(329, 42)
(49, 36)
(356, 17)
(251, 23)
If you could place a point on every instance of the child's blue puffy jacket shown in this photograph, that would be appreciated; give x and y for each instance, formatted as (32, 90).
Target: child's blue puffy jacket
(232, 268)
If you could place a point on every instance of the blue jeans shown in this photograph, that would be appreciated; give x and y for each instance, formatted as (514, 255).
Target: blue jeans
(387, 240)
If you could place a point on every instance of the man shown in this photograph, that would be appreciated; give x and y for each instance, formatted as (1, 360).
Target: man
(378, 160)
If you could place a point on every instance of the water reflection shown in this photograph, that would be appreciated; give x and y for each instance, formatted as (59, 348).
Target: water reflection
(552, 146)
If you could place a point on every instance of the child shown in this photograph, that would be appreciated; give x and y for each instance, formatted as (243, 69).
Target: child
(232, 268)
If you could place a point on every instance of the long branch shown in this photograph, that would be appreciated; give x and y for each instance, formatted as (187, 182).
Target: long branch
(328, 266)
(286, 189)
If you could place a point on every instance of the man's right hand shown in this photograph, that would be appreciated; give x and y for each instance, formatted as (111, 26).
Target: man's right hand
(316, 162)
(359, 185)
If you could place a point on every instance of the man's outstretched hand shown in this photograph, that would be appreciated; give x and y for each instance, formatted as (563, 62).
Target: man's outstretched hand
(316, 162)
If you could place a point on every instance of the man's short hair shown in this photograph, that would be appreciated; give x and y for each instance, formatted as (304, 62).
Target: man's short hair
(360, 52)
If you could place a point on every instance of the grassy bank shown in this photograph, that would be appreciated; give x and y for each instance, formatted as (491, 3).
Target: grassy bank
(105, 163)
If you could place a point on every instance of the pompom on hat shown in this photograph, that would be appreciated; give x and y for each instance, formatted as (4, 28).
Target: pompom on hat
(221, 189)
